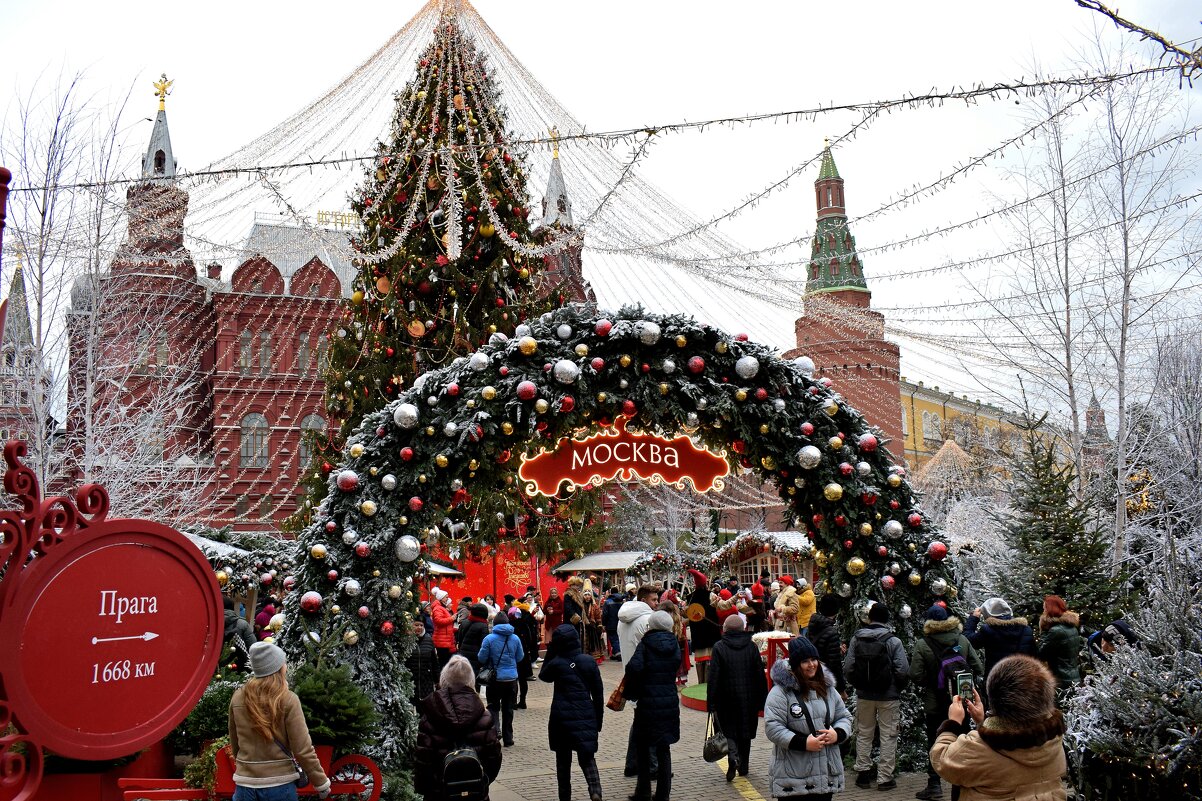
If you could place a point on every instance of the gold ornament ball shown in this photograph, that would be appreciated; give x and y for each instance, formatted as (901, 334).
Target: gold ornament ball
(357, 297)
(768, 462)
(394, 592)
(915, 578)
(865, 529)
(765, 428)
(831, 409)
(524, 273)
(792, 491)
(541, 406)
(473, 465)
(836, 443)
(441, 460)
(222, 577)
(402, 520)
(832, 491)
(368, 508)
(913, 547)
(373, 470)
(721, 347)
(350, 636)
(820, 559)
(429, 431)
(856, 566)
(894, 480)
(582, 349)
(318, 551)
(335, 609)
(356, 450)
(682, 341)
(422, 478)
(507, 427)
(664, 389)
(471, 403)
(375, 574)
(489, 392)
(528, 346)
(624, 360)
(740, 395)
(602, 397)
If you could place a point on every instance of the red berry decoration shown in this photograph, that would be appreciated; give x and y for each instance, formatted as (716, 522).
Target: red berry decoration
(915, 519)
(567, 404)
(416, 504)
(362, 550)
(761, 394)
(603, 327)
(453, 390)
(348, 480)
(387, 628)
(937, 551)
(364, 611)
(406, 454)
(629, 408)
(311, 602)
(696, 365)
(868, 443)
(807, 429)
(527, 390)
(598, 363)
(846, 469)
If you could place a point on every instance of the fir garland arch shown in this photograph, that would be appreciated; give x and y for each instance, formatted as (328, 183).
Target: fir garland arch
(440, 462)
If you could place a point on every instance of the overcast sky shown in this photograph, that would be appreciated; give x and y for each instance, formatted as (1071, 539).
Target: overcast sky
(240, 68)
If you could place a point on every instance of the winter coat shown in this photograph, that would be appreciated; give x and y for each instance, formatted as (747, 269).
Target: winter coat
(470, 637)
(651, 681)
(806, 605)
(502, 650)
(240, 636)
(452, 717)
(527, 630)
(706, 631)
(794, 770)
(787, 607)
(579, 699)
(553, 610)
(1003, 759)
(737, 687)
(999, 638)
(573, 608)
(423, 666)
(632, 625)
(1060, 647)
(609, 612)
(444, 626)
(897, 655)
(824, 634)
(937, 637)
(259, 762)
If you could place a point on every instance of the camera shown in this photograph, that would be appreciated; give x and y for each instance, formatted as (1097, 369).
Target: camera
(964, 685)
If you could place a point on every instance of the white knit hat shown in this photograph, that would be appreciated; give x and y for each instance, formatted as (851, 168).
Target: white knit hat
(439, 593)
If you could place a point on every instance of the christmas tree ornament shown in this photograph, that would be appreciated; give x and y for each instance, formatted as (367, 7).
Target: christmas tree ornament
(702, 404)
(867, 443)
(696, 365)
(721, 346)
(882, 551)
(761, 394)
(623, 384)
(332, 576)
(865, 529)
(624, 360)
(522, 330)
(778, 404)
(566, 371)
(747, 367)
(387, 628)
(541, 406)
(848, 545)
(846, 469)
(915, 578)
(598, 364)
(832, 491)
(223, 578)
(835, 443)
(364, 612)
(668, 366)
(845, 590)
(526, 390)
(937, 551)
(768, 463)
(863, 468)
(581, 349)
(488, 392)
(352, 587)
(432, 400)
(664, 389)
(394, 592)
(740, 395)
(939, 586)
(311, 602)
(765, 428)
(856, 566)
(477, 361)
(408, 548)
(804, 365)
(527, 346)
(357, 297)
(350, 537)
(905, 613)
(266, 579)
(331, 526)
(348, 480)
(649, 332)
(603, 327)
(405, 415)
(350, 637)
(692, 420)
(368, 508)
(809, 457)
(893, 529)
(566, 404)
(893, 480)
(450, 429)
(806, 429)
(831, 408)
(894, 569)
(564, 331)
(277, 621)
(318, 551)
(388, 482)
(289, 583)
(416, 504)
(888, 582)
(629, 408)
(355, 450)
(406, 454)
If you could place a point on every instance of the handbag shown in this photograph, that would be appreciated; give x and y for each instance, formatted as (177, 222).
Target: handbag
(617, 701)
(716, 745)
(302, 779)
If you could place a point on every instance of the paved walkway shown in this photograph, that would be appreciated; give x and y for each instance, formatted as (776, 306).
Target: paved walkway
(528, 773)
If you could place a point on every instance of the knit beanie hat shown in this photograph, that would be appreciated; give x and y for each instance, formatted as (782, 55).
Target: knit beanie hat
(786, 580)
(439, 593)
(478, 610)
(660, 621)
(1021, 689)
(801, 649)
(936, 612)
(879, 613)
(724, 594)
(1054, 606)
(997, 607)
(757, 590)
(500, 618)
(733, 623)
(265, 659)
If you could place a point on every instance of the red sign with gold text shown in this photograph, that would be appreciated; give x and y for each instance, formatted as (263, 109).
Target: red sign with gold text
(615, 453)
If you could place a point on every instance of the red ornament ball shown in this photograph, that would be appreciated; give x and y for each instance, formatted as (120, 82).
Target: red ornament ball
(527, 390)
(406, 454)
(937, 551)
(915, 519)
(868, 443)
(504, 371)
(888, 582)
(894, 505)
(738, 446)
(364, 611)
(740, 337)
(416, 503)
(310, 602)
(817, 520)
(332, 575)
(381, 431)
(453, 390)
(326, 467)
(331, 526)
(696, 365)
(362, 550)
(846, 469)
(348, 480)
(761, 394)
(869, 498)
(598, 364)
(840, 520)
(847, 544)
(807, 429)
(603, 327)
(567, 404)
(882, 551)
(629, 408)
(387, 628)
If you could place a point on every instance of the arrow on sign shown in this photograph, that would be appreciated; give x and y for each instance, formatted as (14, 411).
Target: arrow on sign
(150, 635)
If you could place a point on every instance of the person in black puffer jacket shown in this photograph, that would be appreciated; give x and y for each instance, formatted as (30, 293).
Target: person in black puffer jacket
(453, 716)
(823, 632)
(471, 634)
(526, 628)
(422, 663)
(576, 710)
(1000, 635)
(737, 689)
(651, 682)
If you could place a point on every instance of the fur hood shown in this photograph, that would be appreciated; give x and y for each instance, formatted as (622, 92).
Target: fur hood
(1068, 619)
(998, 623)
(1004, 734)
(941, 626)
(783, 676)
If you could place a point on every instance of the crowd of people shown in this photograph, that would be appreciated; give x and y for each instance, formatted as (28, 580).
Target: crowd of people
(989, 687)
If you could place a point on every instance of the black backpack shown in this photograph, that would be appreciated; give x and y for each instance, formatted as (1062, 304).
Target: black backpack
(463, 775)
(949, 660)
(872, 671)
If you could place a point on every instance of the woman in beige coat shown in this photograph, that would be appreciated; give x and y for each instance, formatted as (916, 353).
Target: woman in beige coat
(1016, 752)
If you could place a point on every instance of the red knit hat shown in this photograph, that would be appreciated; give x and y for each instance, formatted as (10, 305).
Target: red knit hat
(724, 594)
(757, 590)
(786, 580)
(1054, 606)
(699, 578)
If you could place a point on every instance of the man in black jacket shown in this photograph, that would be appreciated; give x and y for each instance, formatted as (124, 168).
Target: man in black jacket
(609, 619)
(824, 633)
(472, 633)
(423, 663)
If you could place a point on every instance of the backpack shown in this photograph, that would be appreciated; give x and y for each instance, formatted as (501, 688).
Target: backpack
(948, 662)
(873, 668)
(463, 775)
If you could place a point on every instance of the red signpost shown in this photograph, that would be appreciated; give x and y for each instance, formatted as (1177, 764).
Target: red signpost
(112, 629)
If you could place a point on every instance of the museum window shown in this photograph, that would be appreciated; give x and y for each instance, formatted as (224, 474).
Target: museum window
(241, 507)
(162, 353)
(303, 355)
(312, 425)
(254, 440)
(245, 352)
(264, 354)
(266, 507)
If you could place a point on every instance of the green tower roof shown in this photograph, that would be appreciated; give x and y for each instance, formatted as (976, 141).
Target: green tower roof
(829, 170)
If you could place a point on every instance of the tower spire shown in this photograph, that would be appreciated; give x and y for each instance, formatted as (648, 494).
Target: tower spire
(834, 264)
(159, 164)
(557, 207)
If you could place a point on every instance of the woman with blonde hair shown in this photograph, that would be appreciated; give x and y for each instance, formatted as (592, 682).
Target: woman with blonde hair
(269, 738)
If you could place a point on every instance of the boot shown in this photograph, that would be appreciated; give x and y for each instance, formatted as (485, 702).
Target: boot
(932, 792)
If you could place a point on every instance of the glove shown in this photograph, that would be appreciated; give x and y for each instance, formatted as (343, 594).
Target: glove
(323, 792)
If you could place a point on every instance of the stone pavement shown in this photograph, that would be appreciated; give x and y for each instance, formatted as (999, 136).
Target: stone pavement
(528, 772)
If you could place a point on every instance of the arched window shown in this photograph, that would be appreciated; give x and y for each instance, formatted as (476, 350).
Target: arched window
(855, 266)
(304, 356)
(160, 162)
(818, 196)
(254, 440)
(834, 268)
(312, 424)
(814, 268)
(828, 196)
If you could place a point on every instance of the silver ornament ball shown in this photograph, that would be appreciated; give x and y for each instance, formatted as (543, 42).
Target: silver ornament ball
(649, 332)
(747, 367)
(405, 415)
(566, 371)
(809, 457)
